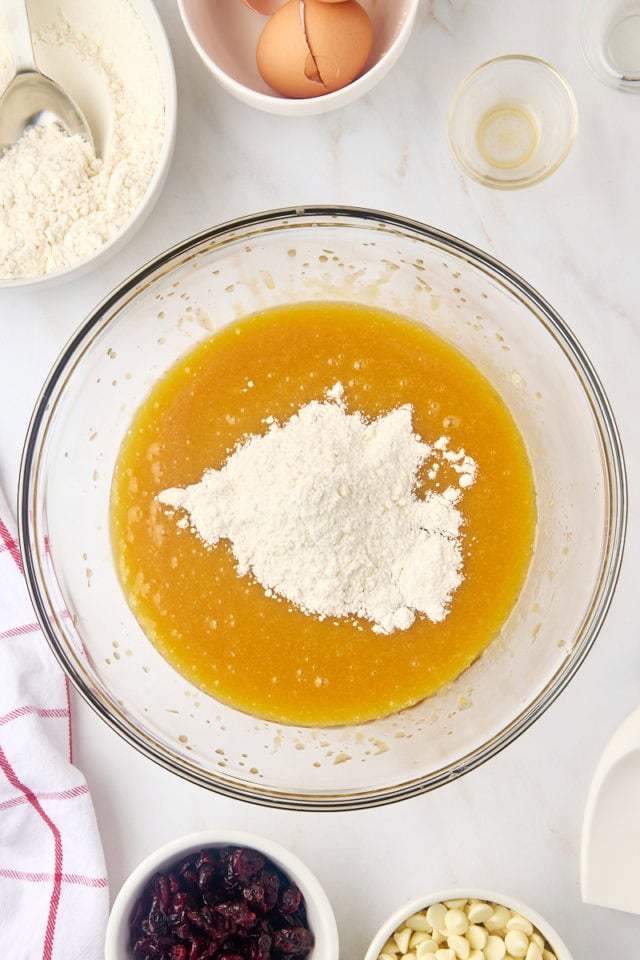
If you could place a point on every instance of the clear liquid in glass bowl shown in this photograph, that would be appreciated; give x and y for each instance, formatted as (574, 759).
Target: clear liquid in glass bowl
(610, 38)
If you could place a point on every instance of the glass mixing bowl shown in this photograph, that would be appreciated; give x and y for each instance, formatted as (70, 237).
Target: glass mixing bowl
(502, 325)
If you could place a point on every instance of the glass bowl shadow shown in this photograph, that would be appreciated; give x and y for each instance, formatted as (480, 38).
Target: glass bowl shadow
(317, 253)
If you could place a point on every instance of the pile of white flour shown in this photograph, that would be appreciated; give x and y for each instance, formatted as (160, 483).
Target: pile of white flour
(59, 202)
(322, 511)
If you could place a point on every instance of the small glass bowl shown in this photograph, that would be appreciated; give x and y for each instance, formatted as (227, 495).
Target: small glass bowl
(512, 122)
(610, 38)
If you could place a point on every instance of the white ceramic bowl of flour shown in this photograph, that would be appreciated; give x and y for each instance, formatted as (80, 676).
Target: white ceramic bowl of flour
(61, 209)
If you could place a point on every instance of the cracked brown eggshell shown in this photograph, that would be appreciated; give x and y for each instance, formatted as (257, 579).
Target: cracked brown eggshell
(312, 47)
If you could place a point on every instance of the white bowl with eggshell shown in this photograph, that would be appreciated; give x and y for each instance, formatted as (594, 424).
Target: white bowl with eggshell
(467, 922)
(227, 35)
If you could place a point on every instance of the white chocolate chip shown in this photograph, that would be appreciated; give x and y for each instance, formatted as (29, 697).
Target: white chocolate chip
(459, 945)
(477, 936)
(456, 921)
(498, 919)
(495, 948)
(518, 922)
(476, 955)
(418, 921)
(455, 904)
(402, 937)
(478, 912)
(427, 948)
(538, 939)
(418, 936)
(533, 951)
(444, 953)
(390, 947)
(516, 943)
(548, 955)
(436, 914)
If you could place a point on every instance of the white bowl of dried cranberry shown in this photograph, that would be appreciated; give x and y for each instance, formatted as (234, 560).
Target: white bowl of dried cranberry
(466, 924)
(221, 893)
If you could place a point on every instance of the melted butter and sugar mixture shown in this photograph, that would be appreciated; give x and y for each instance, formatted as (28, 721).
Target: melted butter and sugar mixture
(259, 652)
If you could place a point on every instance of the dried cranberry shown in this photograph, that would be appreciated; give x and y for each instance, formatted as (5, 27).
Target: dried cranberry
(152, 948)
(293, 941)
(162, 890)
(262, 892)
(227, 903)
(206, 876)
(236, 914)
(261, 948)
(157, 921)
(253, 893)
(180, 903)
(198, 948)
(290, 899)
(137, 915)
(208, 855)
(271, 883)
(245, 863)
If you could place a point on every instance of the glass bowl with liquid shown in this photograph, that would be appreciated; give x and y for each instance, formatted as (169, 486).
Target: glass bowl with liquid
(512, 122)
(610, 38)
(203, 288)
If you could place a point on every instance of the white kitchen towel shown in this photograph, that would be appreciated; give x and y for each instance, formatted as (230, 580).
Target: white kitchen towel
(53, 888)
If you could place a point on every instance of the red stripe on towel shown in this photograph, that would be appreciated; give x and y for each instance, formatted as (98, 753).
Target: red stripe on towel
(56, 878)
(11, 545)
(70, 794)
(48, 713)
(72, 878)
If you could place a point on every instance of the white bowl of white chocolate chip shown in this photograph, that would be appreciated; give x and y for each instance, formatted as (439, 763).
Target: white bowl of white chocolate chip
(466, 925)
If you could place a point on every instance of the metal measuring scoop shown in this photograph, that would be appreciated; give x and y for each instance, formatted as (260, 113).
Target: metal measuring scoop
(31, 98)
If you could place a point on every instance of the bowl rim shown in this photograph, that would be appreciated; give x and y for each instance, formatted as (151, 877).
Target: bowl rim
(401, 913)
(150, 18)
(613, 466)
(306, 106)
(295, 868)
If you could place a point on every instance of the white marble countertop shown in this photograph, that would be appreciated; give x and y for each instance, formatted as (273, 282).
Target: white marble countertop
(514, 824)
